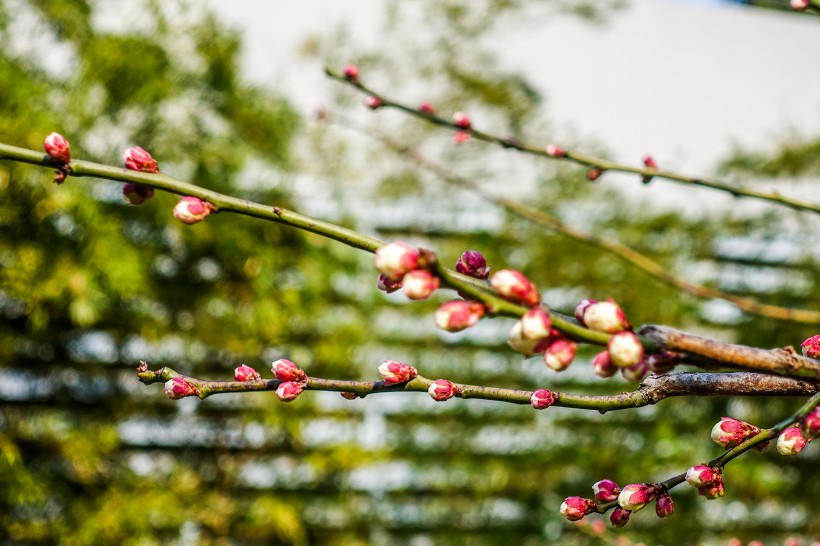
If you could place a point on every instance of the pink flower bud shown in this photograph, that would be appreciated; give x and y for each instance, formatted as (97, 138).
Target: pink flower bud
(246, 373)
(619, 517)
(575, 508)
(536, 324)
(625, 349)
(285, 370)
(386, 284)
(606, 490)
(442, 389)
(663, 362)
(137, 159)
(137, 194)
(456, 315)
(460, 137)
(713, 490)
(514, 286)
(810, 427)
(554, 151)
(602, 365)
(393, 372)
(191, 210)
(374, 103)
(520, 344)
(665, 505)
(730, 432)
(635, 496)
(594, 173)
(461, 121)
(427, 108)
(351, 73)
(473, 264)
(57, 148)
(799, 5)
(811, 347)
(649, 162)
(560, 354)
(636, 372)
(542, 399)
(700, 475)
(396, 259)
(790, 441)
(420, 284)
(289, 390)
(178, 388)
(581, 308)
(605, 316)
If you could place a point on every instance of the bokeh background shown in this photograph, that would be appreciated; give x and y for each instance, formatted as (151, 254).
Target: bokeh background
(224, 94)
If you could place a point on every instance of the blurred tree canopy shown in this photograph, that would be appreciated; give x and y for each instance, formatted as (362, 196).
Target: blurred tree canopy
(90, 285)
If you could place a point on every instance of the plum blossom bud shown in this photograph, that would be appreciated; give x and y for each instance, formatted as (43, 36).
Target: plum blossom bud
(542, 399)
(730, 432)
(554, 151)
(700, 475)
(581, 308)
(473, 264)
(665, 505)
(57, 148)
(289, 390)
(137, 194)
(575, 508)
(713, 490)
(635, 496)
(137, 159)
(811, 347)
(799, 5)
(810, 427)
(246, 373)
(663, 362)
(386, 284)
(604, 316)
(460, 137)
(351, 73)
(636, 372)
(606, 490)
(456, 315)
(396, 259)
(442, 389)
(372, 102)
(560, 354)
(420, 284)
(619, 517)
(790, 441)
(594, 173)
(514, 286)
(178, 388)
(427, 108)
(520, 344)
(536, 324)
(649, 163)
(625, 349)
(393, 372)
(191, 210)
(602, 365)
(285, 370)
(462, 121)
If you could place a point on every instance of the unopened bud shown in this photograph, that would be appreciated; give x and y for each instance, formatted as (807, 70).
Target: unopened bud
(730, 432)
(635, 496)
(542, 399)
(372, 102)
(810, 426)
(456, 315)
(811, 347)
(460, 137)
(137, 194)
(395, 260)
(575, 508)
(605, 316)
(602, 365)
(246, 373)
(520, 344)
(351, 73)
(713, 490)
(606, 490)
(514, 286)
(287, 391)
(536, 324)
(137, 159)
(560, 354)
(663, 362)
(625, 349)
(191, 210)
(393, 372)
(636, 372)
(473, 264)
(554, 151)
(619, 517)
(594, 173)
(285, 370)
(462, 121)
(442, 389)
(581, 308)
(177, 388)
(700, 475)
(665, 506)
(649, 163)
(790, 441)
(419, 284)
(386, 284)
(57, 148)
(427, 108)
(799, 5)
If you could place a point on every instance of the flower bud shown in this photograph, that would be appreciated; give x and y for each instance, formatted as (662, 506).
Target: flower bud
(456, 315)
(536, 324)
(636, 372)
(460, 137)
(554, 151)
(285, 370)
(594, 173)
(581, 308)
(560, 354)
(602, 365)
(137, 159)
(351, 73)
(393, 372)
(606, 490)
(442, 389)
(542, 399)
(811, 347)
(137, 194)
(713, 490)
(663, 362)
(619, 517)
(461, 121)
(386, 284)
(520, 344)
(427, 108)
(575, 508)
(246, 373)
(177, 388)
(810, 427)
(191, 210)
(730, 432)
(700, 475)
(635, 496)
(799, 5)
(604, 316)
(57, 148)
(790, 441)
(514, 286)
(473, 264)
(287, 391)
(665, 505)
(649, 163)
(419, 284)
(625, 349)
(394, 260)
(372, 102)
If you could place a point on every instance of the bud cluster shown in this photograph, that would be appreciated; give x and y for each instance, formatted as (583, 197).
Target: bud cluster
(293, 379)
(708, 481)
(400, 266)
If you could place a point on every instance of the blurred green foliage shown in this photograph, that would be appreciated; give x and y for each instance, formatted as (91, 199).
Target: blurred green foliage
(89, 286)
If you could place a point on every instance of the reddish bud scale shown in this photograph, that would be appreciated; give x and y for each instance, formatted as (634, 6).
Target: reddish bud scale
(137, 194)
(191, 210)
(811, 347)
(594, 173)
(285, 370)
(386, 284)
(419, 284)
(177, 388)
(790, 441)
(137, 159)
(713, 490)
(575, 508)
(619, 517)
(456, 315)
(542, 399)
(57, 148)
(514, 286)
(606, 490)
(730, 432)
(473, 264)
(394, 373)
(349, 395)
(288, 391)
(442, 390)
(246, 373)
